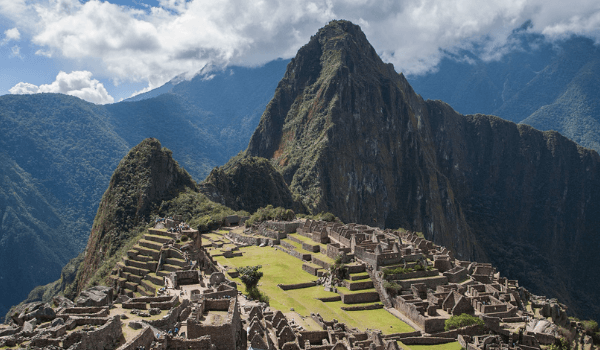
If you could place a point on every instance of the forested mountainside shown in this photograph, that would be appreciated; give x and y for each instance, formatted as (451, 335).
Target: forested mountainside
(550, 85)
(349, 135)
(59, 153)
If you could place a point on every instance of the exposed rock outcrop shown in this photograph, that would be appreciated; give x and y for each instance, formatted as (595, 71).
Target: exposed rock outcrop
(249, 184)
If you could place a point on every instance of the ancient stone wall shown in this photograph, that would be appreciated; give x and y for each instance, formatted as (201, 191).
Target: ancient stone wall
(165, 305)
(314, 337)
(426, 340)
(315, 248)
(468, 330)
(283, 226)
(171, 318)
(361, 308)
(358, 285)
(320, 262)
(134, 305)
(411, 275)
(143, 338)
(252, 240)
(297, 285)
(104, 337)
(334, 250)
(295, 253)
(312, 269)
(366, 297)
(232, 293)
(202, 343)
(216, 304)
(427, 323)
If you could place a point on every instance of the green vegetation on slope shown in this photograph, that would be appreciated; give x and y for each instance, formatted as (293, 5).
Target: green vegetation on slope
(58, 154)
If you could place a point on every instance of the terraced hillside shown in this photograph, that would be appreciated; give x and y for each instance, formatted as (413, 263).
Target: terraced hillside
(154, 256)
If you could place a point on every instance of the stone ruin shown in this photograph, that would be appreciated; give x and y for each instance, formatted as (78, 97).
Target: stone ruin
(417, 281)
(430, 286)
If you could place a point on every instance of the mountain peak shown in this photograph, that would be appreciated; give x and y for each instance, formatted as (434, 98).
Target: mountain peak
(320, 86)
(145, 177)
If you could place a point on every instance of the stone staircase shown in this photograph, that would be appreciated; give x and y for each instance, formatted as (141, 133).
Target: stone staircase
(143, 268)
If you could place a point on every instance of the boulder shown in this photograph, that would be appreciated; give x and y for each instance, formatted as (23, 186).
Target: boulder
(62, 302)
(29, 326)
(135, 325)
(45, 313)
(58, 322)
(95, 296)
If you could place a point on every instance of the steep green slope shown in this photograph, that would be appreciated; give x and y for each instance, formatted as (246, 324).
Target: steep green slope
(575, 113)
(56, 150)
(29, 223)
(67, 150)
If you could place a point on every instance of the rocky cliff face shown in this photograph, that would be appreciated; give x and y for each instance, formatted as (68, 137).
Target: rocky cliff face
(249, 184)
(350, 136)
(145, 177)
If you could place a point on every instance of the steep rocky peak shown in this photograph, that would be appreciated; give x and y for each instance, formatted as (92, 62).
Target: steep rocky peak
(335, 77)
(339, 45)
(144, 178)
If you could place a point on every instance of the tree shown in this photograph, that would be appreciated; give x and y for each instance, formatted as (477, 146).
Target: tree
(250, 276)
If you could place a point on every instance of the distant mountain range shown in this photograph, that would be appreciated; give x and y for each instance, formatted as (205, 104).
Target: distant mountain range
(58, 153)
(547, 85)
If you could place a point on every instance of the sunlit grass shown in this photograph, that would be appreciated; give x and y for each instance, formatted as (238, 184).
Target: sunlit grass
(279, 267)
(448, 346)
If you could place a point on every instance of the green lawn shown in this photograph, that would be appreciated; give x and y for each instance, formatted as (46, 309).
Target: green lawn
(279, 267)
(450, 346)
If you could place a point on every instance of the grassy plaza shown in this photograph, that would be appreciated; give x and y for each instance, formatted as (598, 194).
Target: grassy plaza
(281, 268)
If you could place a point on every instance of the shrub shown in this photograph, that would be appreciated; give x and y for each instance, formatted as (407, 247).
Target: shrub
(459, 321)
(392, 286)
(270, 213)
(560, 344)
(398, 270)
(256, 294)
(338, 260)
(590, 326)
(184, 238)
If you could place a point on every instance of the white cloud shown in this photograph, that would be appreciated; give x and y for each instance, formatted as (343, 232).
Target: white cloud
(10, 34)
(181, 36)
(78, 83)
(15, 51)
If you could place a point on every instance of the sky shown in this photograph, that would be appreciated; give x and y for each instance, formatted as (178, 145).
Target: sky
(106, 51)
